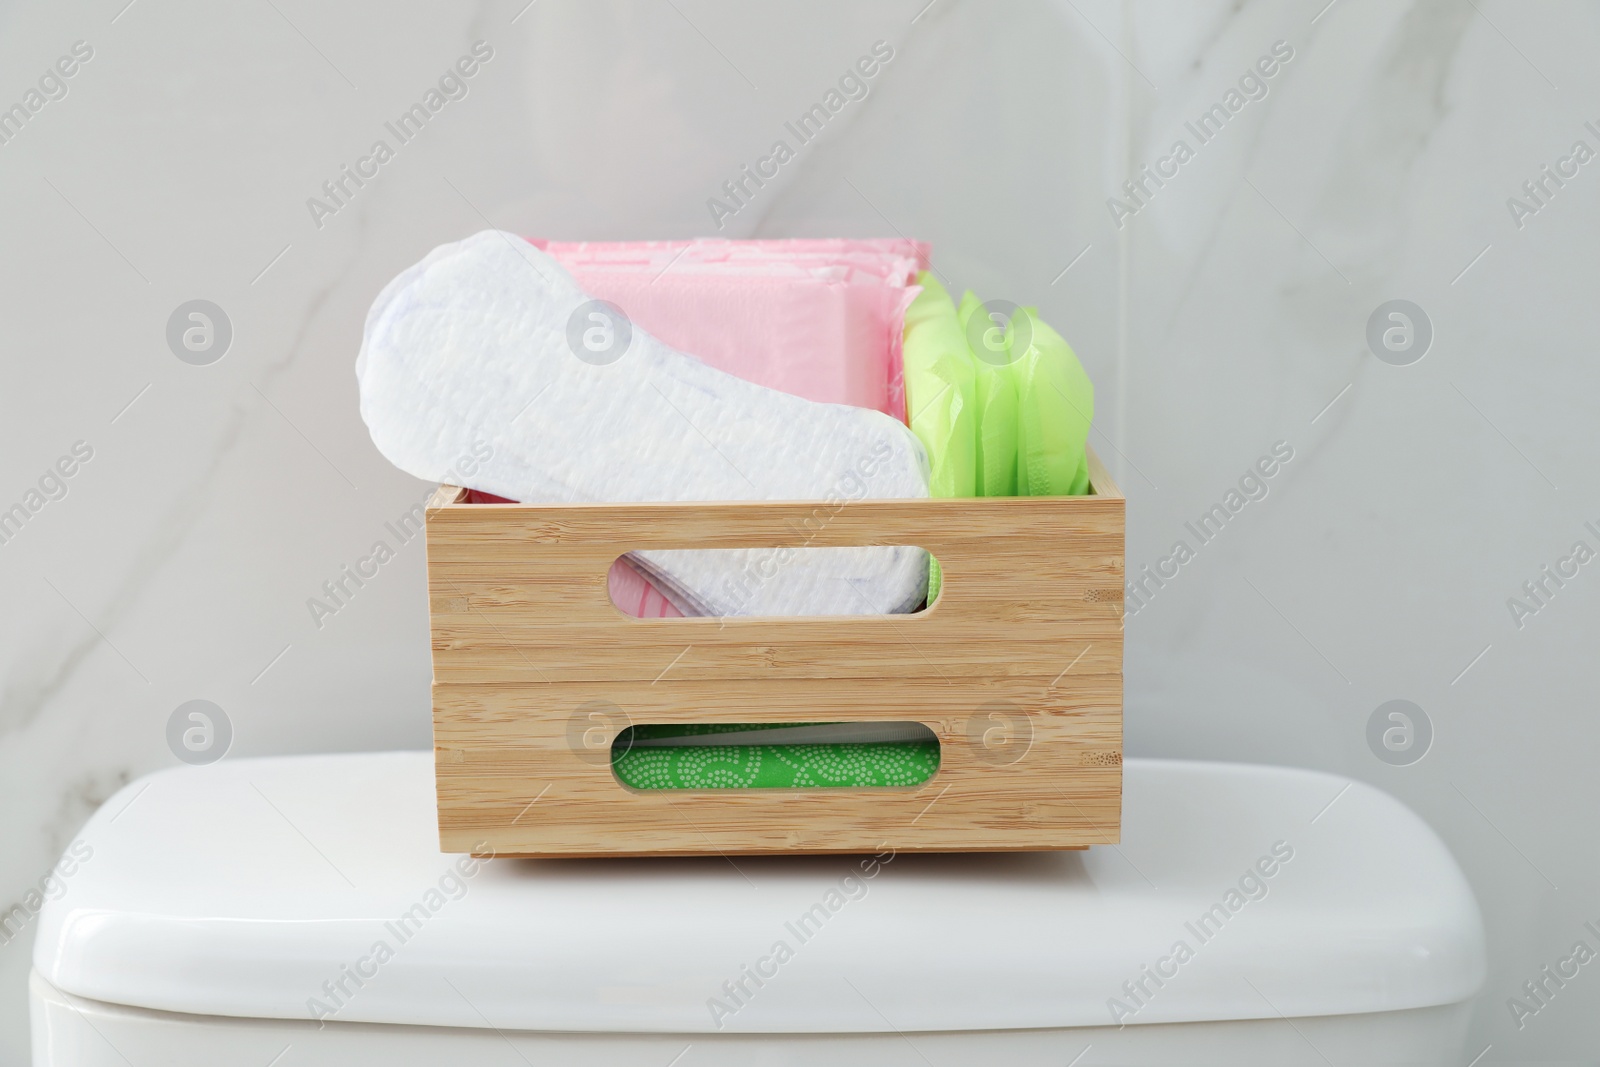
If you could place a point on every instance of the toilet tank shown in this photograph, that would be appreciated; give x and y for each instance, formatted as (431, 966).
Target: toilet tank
(1248, 909)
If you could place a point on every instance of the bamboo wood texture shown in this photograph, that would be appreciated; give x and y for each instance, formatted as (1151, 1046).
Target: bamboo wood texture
(1017, 668)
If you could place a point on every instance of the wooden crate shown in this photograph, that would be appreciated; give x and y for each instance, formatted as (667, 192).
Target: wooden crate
(1017, 669)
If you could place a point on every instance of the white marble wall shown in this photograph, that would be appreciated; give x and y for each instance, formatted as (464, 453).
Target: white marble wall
(1420, 497)
(1227, 313)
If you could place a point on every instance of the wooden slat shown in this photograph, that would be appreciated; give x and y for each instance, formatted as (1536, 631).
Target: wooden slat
(722, 656)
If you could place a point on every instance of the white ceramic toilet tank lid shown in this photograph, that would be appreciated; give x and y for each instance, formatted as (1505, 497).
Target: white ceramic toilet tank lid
(313, 887)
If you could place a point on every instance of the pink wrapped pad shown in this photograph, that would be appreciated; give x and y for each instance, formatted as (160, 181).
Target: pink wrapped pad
(820, 318)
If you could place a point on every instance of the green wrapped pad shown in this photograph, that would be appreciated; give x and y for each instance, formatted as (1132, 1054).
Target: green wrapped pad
(941, 395)
(941, 398)
(1055, 405)
(835, 766)
(989, 343)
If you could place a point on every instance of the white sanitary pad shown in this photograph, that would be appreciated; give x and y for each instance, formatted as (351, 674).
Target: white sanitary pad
(470, 347)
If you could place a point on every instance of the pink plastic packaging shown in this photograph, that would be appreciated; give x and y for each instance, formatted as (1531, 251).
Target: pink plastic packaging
(821, 318)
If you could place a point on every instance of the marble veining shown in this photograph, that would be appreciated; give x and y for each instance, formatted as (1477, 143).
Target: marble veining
(1227, 313)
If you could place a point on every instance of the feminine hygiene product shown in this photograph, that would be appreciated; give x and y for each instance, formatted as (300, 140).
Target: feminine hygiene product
(775, 756)
(941, 389)
(635, 595)
(1055, 405)
(997, 398)
(1003, 408)
(475, 344)
(819, 318)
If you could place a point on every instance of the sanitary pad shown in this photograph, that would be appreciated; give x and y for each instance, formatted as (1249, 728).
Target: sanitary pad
(787, 756)
(821, 319)
(1000, 412)
(997, 399)
(941, 391)
(633, 594)
(476, 345)
(1055, 404)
